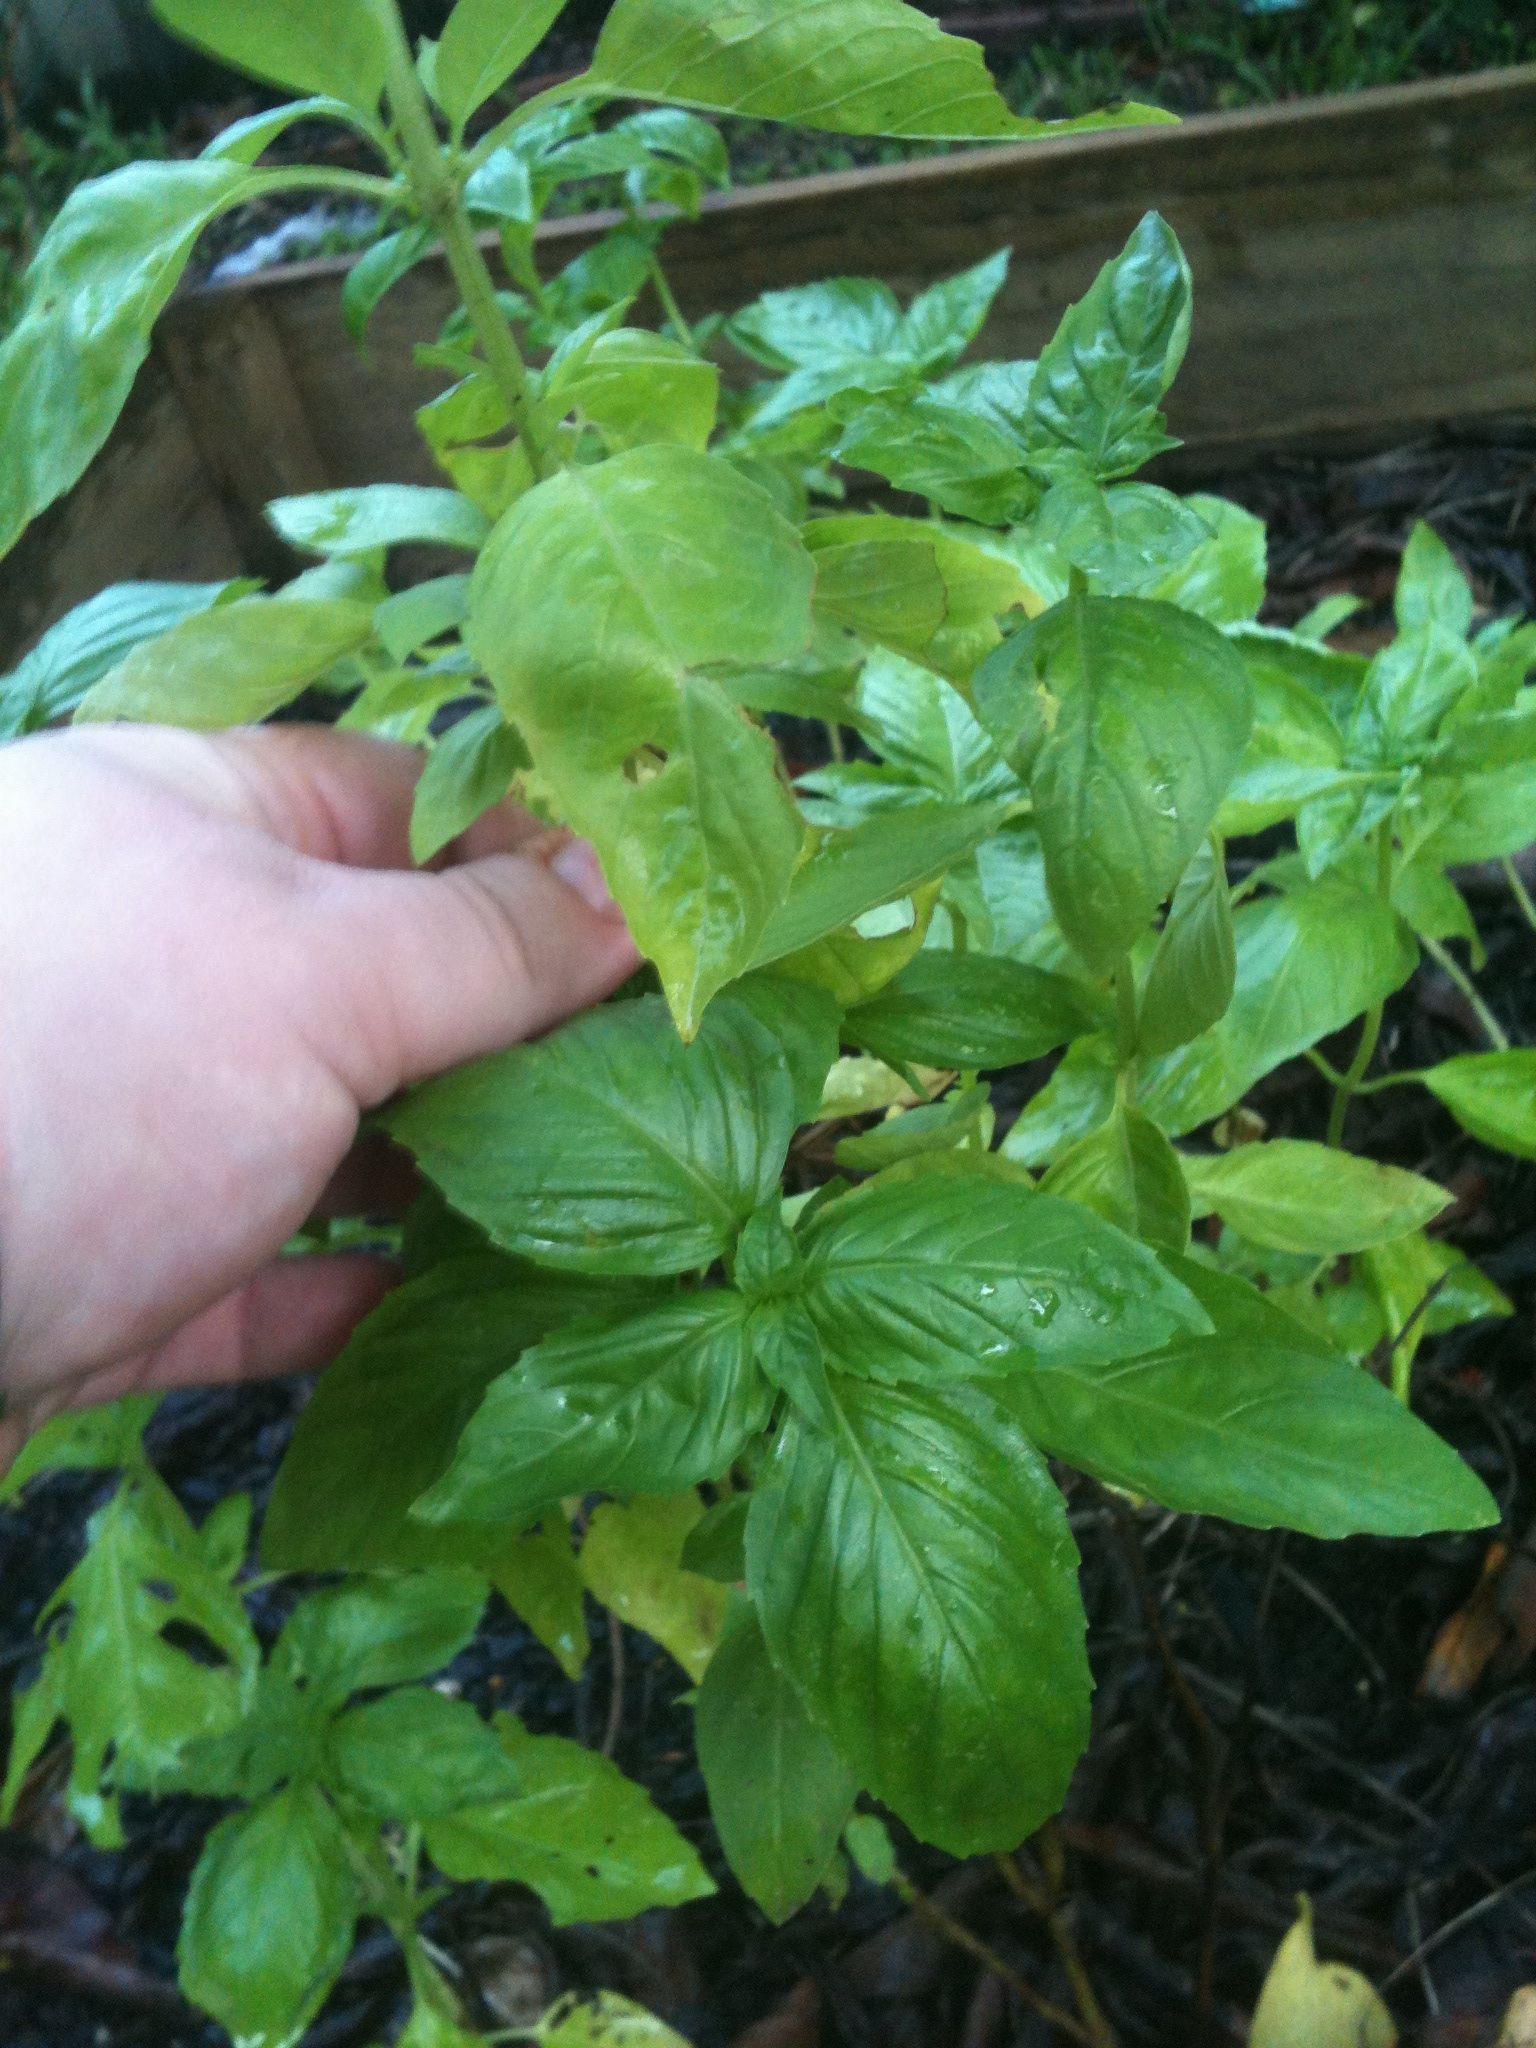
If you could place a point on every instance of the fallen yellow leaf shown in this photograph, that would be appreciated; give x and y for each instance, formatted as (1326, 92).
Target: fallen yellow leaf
(1308, 2004)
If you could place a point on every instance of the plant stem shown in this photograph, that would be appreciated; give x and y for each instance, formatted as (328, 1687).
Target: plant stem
(669, 305)
(1370, 1028)
(438, 196)
(1522, 895)
(1493, 1030)
(934, 1916)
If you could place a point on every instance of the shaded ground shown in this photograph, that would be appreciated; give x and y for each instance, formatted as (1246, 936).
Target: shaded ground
(1258, 1724)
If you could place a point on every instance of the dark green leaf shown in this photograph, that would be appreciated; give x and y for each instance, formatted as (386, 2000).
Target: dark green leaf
(934, 1127)
(779, 1793)
(378, 1631)
(1255, 1422)
(970, 1010)
(1194, 969)
(915, 1572)
(715, 1546)
(376, 273)
(957, 459)
(414, 1755)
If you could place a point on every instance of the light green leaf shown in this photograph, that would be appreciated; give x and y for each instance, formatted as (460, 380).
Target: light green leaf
(1093, 403)
(234, 665)
(1472, 817)
(356, 522)
(1128, 1173)
(602, 2019)
(636, 387)
(269, 1918)
(875, 863)
(1129, 720)
(341, 51)
(1194, 969)
(959, 460)
(1255, 1422)
(1408, 689)
(611, 1146)
(1431, 589)
(415, 1755)
(600, 601)
(90, 641)
(1126, 539)
(779, 1793)
(378, 1631)
(391, 1409)
(245, 141)
(643, 1403)
(970, 1010)
(944, 1280)
(83, 1440)
(482, 44)
(914, 588)
(1492, 1095)
(916, 1572)
(1295, 1196)
(426, 612)
(926, 729)
(631, 1562)
(105, 269)
(1223, 578)
(537, 1575)
(934, 1127)
(470, 768)
(856, 67)
(376, 273)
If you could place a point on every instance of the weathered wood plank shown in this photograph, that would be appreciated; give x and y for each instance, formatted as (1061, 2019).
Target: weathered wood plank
(1363, 265)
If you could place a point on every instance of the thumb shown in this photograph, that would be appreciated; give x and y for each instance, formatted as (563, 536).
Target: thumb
(416, 973)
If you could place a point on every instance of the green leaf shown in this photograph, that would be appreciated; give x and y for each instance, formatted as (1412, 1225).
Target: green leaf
(483, 42)
(869, 1845)
(91, 640)
(1128, 1173)
(269, 1918)
(925, 728)
(934, 1127)
(1127, 540)
(959, 460)
(244, 142)
(611, 1146)
(1094, 399)
(600, 601)
(645, 1403)
(537, 1575)
(83, 1440)
(1129, 719)
(1307, 963)
(1223, 579)
(602, 2019)
(342, 51)
(875, 863)
(715, 1546)
(391, 1409)
(471, 768)
(376, 273)
(1492, 1095)
(233, 665)
(1431, 589)
(426, 612)
(1295, 1196)
(915, 1572)
(910, 586)
(1472, 817)
(969, 1010)
(779, 1793)
(1194, 969)
(856, 67)
(105, 269)
(803, 1022)
(1408, 689)
(636, 388)
(356, 522)
(414, 1755)
(1255, 1422)
(945, 1280)
(578, 1832)
(631, 1560)
(378, 1631)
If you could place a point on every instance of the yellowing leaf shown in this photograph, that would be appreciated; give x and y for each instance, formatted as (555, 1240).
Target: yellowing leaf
(1308, 2004)
(604, 2021)
(631, 1562)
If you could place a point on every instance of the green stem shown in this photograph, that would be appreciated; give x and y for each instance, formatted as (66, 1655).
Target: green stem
(355, 184)
(1125, 1012)
(438, 196)
(1521, 894)
(669, 305)
(1494, 1031)
(1370, 1028)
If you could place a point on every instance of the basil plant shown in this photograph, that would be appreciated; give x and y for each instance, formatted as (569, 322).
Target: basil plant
(742, 1304)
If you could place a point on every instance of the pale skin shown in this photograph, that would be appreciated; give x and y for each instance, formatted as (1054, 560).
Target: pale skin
(214, 960)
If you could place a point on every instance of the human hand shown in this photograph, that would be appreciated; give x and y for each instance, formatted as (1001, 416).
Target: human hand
(212, 960)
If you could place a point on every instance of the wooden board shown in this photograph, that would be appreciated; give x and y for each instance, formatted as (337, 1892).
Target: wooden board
(1364, 267)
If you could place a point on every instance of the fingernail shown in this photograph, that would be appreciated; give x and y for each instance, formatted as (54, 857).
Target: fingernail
(579, 868)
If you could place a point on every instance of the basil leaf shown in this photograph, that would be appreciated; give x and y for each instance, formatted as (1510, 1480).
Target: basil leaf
(644, 1403)
(610, 1146)
(970, 1010)
(941, 451)
(1295, 1196)
(1492, 1095)
(943, 1280)
(1129, 719)
(915, 1571)
(1194, 969)
(631, 1562)
(577, 1832)
(636, 388)
(1254, 1422)
(340, 51)
(925, 728)
(1128, 1173)
(376, 273)
(482, 44)
(1094, 398)
(779, 1793)
(233, 665)
(601, 599)
(1408, 689)
(1223, 579)
(414, 1755)
(356, 522)
(856, 67)
(1431, 589)
(377, 1631)
(104, 271)
(934, 1127)
(281, 1875)
(470, 768)
(426, 612)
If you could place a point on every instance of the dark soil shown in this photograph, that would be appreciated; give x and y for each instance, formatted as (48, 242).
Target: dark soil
(1260, 1727)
